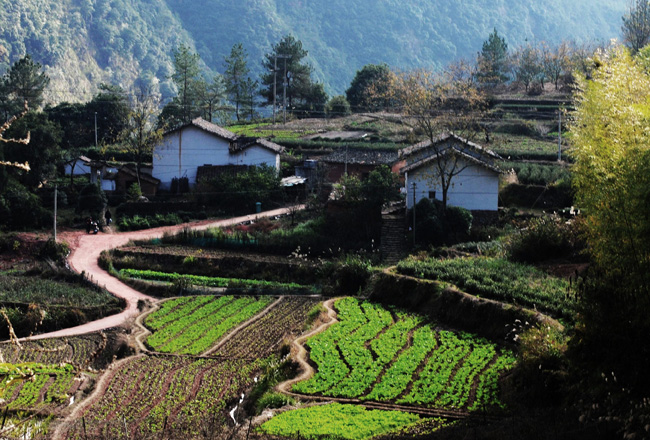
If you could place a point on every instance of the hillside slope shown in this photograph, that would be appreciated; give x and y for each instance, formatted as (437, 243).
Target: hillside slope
(85, 42)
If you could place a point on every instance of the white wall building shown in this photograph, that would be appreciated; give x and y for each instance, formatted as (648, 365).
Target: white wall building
(201, 143)
(475, 181)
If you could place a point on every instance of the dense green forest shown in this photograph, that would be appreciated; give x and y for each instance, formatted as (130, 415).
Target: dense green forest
(82, 43)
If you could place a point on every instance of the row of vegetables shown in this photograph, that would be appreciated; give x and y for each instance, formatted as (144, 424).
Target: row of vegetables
(169, 397)
(192, 326)
(373, 354)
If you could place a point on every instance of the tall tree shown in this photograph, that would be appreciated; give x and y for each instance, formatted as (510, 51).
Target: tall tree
(249, 90)
(493, 60)
(25, 81)
(527, 66)
(23, 140)
(188, 80)
(555, 62)
(369, 88)
(141, 133)
(636, 25)
(42, 153)
(611, 178)
(286, 73)
(112, 107)
(213, 100)
(236, 78)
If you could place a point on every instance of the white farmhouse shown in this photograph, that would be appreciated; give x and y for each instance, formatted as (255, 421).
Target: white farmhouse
(474, 175)
(202, 144)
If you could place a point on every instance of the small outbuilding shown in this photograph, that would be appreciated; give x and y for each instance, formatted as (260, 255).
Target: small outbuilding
(355, 162)
(473, 171)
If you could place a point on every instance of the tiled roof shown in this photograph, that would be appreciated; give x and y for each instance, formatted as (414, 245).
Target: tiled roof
(207, 126)
(243, 142)
(434, 157)
(408, 151)
(237, 143)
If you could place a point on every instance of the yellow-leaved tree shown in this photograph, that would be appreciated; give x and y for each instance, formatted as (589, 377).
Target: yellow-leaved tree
(610, 132)
(610, 136)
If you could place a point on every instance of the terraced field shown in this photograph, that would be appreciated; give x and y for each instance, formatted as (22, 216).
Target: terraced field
(282, 323)
(182, 397)
(40, 379)
(375, 355)
(192, 325)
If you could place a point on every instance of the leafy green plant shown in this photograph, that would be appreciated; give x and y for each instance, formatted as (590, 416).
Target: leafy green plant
(338, 421)
(497, 279)
(372, 354)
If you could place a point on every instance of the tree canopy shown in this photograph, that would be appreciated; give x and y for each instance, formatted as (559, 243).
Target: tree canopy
(636, 25)
(611, 178)
(239, 85)
(493, 60)
(369, 87)
(611, 148)
(287, 74)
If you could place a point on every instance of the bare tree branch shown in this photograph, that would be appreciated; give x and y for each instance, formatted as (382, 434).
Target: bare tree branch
(25, 141)
(7, 124)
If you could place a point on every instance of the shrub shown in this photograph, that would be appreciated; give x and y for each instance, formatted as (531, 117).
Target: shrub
(351, 274)
(435, 226)
(543, 238)
(20, 209)
(273, 400)
(240, 192)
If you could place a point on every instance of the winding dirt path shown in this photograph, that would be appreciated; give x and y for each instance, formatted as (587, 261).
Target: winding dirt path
(299, 352)
(87, 248)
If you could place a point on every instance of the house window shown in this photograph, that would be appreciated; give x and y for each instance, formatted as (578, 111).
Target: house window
(432, 195)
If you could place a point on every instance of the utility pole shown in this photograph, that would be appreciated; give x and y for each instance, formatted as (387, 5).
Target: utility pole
(413, 214)
(275, 76)
(95, 129)
(559, 135)
(275, 81)
(56, 188)
(284, 93)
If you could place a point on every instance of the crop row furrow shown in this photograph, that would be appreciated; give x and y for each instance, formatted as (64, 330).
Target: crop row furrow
(400, 373)
(177, 329)
(364, 369)
(217, 329)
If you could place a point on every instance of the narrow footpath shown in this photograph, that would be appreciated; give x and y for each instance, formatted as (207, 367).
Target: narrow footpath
(85, 251)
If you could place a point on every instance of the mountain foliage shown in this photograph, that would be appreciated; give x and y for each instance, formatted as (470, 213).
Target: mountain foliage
(83, 43)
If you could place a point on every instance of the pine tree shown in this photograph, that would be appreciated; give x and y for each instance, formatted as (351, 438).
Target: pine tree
(493, 60)
(287, 71)
(236, 78)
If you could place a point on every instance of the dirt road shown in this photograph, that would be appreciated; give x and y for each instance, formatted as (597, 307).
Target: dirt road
(85, 253)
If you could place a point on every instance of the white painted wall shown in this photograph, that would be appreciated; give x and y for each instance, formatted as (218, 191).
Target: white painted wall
(183, 151)
(79, 169)
(475, 188)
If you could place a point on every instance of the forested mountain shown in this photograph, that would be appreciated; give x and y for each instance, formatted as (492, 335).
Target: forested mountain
(85, 42)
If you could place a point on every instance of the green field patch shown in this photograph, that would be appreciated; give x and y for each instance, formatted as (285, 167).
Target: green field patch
(374, 354)
(32, 386)
(180, 396)
(200, 280)
(263, 130)
(197, 324)
(338, 421)
(34, 290)
(497, 279)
